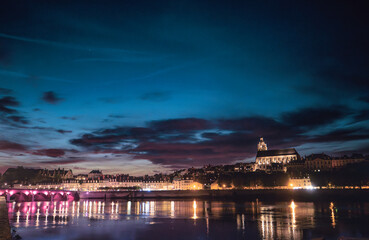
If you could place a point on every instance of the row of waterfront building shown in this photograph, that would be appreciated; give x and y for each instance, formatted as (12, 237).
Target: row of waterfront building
(112, 185)
(284, 160)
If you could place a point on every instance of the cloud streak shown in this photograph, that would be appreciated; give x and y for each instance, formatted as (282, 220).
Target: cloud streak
(11, 146)
(22, 75)
(155, 96)
(49, 152)
(67, 45)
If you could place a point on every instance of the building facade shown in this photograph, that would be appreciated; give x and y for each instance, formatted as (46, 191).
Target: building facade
(265, 157)
(297, 183)
(186, 184)
(318, 162)
(107, 185)
(343, 161)
(323, 162)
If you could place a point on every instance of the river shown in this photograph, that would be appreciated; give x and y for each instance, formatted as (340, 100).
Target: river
(188, 219)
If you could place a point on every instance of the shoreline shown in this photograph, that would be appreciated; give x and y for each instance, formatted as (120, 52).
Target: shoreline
(260, 194)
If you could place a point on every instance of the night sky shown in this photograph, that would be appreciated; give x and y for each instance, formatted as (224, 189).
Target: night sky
(142, 87)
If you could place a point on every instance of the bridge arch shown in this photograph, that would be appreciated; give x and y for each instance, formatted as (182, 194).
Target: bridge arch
(42, 196)
(19, 196)
(60, 196)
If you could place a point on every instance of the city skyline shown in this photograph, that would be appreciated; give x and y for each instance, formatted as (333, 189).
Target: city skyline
(143, 88)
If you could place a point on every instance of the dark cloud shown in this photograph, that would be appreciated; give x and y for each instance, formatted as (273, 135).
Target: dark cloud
(180, 125)
(341, 135)
(49, 152)
(313, 117)
(11, 146)
(112, 137)
(116, 116)
(195, 142)
(156, 96)
(5, 91)
(68, 118)
(187, 154)
(51, 97)
(9, 101)
(166, 130)
(6, 103)
(7, 112)
(256, 124)
(362, 115)
(92, 140)
(18, 119)
(65, 161)
(63, 131)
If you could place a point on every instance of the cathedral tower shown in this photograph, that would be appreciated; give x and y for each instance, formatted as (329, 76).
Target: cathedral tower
(262, 145)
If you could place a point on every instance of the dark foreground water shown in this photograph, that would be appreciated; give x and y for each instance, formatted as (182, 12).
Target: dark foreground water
(188, 219)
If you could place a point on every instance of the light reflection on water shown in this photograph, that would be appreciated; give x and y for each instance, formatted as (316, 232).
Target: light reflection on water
(188, 219)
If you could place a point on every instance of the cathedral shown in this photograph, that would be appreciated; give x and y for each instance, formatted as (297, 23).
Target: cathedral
(267, 157)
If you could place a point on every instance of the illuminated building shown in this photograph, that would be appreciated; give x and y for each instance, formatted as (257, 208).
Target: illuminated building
(215, 186)
(300, 183)
(157, 185)
(265, 158)
(343, 161)
(321, 162)
(106, 185)
(81, 177)
(318, 162)
(186, 184)
(262, 145)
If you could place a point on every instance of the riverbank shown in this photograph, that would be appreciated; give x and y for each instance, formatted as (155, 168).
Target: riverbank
(261, 194)
(5, 233)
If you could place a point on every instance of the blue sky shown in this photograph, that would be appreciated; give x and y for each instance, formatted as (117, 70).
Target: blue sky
(151, 86)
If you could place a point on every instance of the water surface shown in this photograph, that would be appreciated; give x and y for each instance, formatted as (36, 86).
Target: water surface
(188, 219)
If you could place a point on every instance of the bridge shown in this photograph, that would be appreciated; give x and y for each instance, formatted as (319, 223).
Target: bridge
(30, 195)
